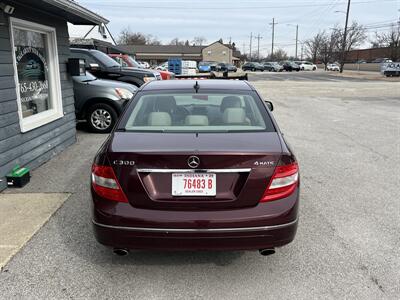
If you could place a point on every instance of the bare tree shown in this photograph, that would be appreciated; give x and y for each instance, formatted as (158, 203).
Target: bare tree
(356, 34)
(314, 46)
(329, 51)
(176, 42)
(152, 40)
(390, 39)
(279, 54)
(128, 37)
(199, 41)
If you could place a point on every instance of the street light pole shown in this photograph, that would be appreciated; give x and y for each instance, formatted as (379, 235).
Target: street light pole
(297, 38)
(258, 46)
(251, 38)
(344, 37)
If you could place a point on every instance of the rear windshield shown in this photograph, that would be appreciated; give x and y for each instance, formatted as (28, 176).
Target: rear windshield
(197, 112)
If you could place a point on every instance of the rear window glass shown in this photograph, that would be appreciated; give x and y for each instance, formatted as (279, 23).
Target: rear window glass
(197, 112)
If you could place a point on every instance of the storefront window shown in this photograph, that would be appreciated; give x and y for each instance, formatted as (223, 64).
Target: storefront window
(37, 74)
(32, 71)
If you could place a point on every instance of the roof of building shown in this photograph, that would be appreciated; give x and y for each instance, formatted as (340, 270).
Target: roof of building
(69, 10)
(209, 84)
(98, 45)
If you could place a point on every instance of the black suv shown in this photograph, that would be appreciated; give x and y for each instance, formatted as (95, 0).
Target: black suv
(103, 66)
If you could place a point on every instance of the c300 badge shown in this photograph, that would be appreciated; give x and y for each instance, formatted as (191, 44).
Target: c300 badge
(118, 162)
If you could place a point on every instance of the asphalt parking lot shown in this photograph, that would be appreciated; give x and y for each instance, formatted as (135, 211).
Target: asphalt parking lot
(346, 135)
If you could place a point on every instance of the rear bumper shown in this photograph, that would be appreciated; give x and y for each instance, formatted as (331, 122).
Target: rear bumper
(267, 225)
(195, 239)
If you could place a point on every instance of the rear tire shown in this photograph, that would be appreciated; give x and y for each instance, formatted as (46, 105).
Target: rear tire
(101, 118)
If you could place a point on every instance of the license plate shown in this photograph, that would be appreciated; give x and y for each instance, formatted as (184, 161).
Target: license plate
(193, 184)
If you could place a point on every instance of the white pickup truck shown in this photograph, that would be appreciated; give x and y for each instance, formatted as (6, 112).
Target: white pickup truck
(391, 69)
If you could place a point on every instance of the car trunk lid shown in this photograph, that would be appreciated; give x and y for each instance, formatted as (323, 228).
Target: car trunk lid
(243, 163)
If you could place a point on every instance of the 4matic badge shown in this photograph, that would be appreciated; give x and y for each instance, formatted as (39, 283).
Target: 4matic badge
(264, 163)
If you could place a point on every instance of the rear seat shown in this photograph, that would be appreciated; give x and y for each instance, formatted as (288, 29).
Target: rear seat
(159, 118)
(234, 115)
(196, 120)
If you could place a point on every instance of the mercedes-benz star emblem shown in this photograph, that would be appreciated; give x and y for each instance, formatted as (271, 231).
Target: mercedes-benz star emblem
(193, 161)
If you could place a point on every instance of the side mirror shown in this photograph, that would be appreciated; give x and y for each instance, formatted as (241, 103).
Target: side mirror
(94, 67)
(269, 105)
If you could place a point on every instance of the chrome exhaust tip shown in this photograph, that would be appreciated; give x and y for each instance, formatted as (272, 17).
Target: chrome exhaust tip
(121, 251)
(266, 252)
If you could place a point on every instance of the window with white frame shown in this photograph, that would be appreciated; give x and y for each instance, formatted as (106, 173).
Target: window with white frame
(37, 74)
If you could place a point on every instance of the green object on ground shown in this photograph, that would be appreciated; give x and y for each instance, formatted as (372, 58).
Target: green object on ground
(18, 172)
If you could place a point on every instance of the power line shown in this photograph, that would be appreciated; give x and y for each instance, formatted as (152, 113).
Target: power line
(125, 5)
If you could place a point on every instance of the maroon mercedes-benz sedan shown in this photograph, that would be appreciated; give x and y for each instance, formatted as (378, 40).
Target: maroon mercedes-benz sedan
(195, 165)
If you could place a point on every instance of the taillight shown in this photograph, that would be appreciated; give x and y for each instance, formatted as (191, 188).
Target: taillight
(106, 185)
(283, 182)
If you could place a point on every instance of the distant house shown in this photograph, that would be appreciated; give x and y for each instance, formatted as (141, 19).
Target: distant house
(156, 54)
(220, 52)
(37, 113)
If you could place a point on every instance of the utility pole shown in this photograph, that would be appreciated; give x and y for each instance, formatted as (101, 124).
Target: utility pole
(344, 37)
(273, 37)
(297, 38)
(251, 38)
(302, 50)
(258, 46)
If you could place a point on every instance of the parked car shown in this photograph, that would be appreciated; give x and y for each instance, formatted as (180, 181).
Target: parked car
(253, 66)
(207, 66)
(99, 101)
(361, 61)
(290, 66)
(307, 66)
(126, 60)
(272, 67)
(162, 67)
(222, 178)
(381, 60)
(144, 64)
(104, 67)
(333, 67)
(222, 67)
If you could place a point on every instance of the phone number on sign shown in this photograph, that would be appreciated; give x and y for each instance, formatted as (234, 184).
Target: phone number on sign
(33, 86)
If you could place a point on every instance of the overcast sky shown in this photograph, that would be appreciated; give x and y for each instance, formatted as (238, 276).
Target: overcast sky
(215, 19)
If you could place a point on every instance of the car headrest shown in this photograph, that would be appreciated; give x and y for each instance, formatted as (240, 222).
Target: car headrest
(230, 101)
(164, 104)
(234, 115)
(159, 119)
(196, 120)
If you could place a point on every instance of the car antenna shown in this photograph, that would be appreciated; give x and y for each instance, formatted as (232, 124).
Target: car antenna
(196, 87)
